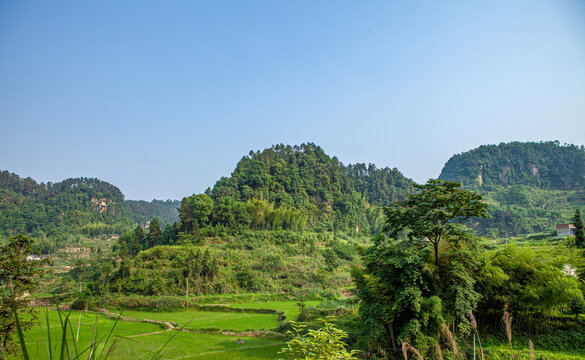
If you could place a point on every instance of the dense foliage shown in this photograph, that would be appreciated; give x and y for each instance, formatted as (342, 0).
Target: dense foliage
(296, 188)
(413, 288)
(73, 206)
(380, 187)
(546, 165)
(60, 208)
(280, 261)
(417, 278)
(166, 211)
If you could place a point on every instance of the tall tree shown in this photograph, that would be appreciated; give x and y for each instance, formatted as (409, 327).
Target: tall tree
(137, 241)
(418, 276)
(154, 235)
(579, 234)
(433, 213)
(19, 276)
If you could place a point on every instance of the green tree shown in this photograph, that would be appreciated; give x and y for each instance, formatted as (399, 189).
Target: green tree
(137, 242)
(19, 276)
(154, 235)
(323, 344)
(194, 212)
(433, 213)
(579, 234)
(418, 276)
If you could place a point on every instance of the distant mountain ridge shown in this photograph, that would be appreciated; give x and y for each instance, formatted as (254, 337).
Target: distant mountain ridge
(546, 165)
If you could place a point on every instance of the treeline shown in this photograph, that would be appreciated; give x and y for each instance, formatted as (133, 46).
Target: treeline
(380, 187)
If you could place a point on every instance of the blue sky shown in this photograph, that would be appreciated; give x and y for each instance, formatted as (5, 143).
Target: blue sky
(163, 98)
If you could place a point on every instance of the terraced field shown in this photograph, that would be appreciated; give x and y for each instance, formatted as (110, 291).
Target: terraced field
(136, 340)
(290, 308)
(212, 319)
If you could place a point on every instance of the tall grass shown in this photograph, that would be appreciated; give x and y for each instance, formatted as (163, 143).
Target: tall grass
(66, 347)
(507, 320)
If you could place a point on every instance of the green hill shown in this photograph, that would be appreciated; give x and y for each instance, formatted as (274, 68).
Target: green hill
(301, 187)
(73, 206)
(545, 165)
(530, 186)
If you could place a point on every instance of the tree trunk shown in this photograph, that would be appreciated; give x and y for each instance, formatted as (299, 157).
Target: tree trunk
(436, 248)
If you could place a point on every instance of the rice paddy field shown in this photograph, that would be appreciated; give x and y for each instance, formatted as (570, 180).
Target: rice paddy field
(137, 340)
(212, 319)
(290, 308)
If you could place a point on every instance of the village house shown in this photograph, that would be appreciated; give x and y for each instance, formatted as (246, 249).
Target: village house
(565, 229)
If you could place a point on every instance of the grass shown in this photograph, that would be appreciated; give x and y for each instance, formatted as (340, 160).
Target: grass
(502, 351)
(212, 319)
(200, 346)
(290, 308)
(141, 340)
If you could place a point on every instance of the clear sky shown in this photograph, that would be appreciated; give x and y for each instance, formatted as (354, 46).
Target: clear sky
(163, 98)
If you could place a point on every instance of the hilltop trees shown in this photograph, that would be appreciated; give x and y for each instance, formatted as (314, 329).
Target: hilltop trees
(418, 277)
(546, 165)
(194, 212)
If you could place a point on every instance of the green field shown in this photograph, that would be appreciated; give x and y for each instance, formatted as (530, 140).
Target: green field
(290, 308)
(141, 340)
(212, 319)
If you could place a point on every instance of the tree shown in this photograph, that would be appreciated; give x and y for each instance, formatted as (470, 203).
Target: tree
(195, 211)
(154, 235)
(19, 276)
(137, 241)
(433, 213)
(579, 234)
(418, 276)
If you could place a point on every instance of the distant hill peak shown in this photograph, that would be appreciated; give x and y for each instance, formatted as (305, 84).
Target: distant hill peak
(547, 165)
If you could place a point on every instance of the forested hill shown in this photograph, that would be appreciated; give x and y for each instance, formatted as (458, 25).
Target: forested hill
(546, 165)
(297, 187)
(80, 205)
(530, 186)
